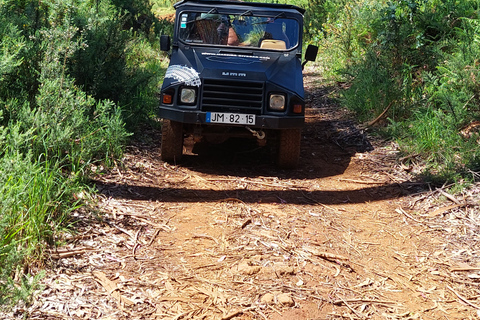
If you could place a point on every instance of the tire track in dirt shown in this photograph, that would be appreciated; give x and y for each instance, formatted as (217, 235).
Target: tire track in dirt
(228, 236)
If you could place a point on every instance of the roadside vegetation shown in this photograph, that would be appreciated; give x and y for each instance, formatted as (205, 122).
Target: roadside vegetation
(77, 78)
(414, 65)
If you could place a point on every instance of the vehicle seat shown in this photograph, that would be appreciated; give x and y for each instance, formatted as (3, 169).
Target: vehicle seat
(273, 44)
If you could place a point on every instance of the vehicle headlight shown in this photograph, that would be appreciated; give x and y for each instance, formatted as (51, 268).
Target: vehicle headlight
(187, 95)
(277, 102)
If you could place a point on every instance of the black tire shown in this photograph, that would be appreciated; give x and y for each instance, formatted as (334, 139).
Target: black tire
(172, 141)
(289, 148)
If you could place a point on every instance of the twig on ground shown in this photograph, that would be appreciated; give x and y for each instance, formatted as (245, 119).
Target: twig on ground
(371, 123)
(339, 302)
(400, 210)
(463, 299)
(362, 181)
(164, 227)
(246, 223)
(136, 242)
(66, 253)
(122, 230)
(205, 236)
(442, 210)
(465, 269)
(157, 231)
(351, 309)
(448, 196)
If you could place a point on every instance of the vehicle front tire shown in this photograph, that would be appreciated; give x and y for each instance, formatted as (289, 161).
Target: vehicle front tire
(289, 148)
(172, 141)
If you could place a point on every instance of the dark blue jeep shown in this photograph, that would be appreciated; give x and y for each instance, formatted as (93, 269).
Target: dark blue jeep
(235, 70)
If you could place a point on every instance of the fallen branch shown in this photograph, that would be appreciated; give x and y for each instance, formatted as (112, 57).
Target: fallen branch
(136, 243)
(157, 231)
(442, 210)
(449, 196)
(153, 224)
(66, 253)
(361, 316)
(335, 258)
(339, 302)
(327, 255)
(465, 269)
(246, 223)
(124, 231)
(463, 299)
(361, 181)
(371, 123)
(400, 210)
(204, 236)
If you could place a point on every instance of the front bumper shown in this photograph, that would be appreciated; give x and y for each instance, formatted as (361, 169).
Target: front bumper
(261, 121)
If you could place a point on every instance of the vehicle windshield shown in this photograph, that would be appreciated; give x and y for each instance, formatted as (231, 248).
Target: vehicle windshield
(245, 30)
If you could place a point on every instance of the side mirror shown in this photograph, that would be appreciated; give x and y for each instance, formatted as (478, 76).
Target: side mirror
(310, 54)
(164, 42)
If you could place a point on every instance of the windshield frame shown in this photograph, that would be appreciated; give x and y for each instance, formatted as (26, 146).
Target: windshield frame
(280, 15)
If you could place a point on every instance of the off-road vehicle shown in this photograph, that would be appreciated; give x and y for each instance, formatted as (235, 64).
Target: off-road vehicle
(235, 70)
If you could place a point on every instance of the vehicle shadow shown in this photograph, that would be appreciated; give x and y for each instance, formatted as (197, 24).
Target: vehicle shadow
(279, 195)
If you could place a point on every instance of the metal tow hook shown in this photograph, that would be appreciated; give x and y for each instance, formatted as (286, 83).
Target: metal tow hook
(257, 134)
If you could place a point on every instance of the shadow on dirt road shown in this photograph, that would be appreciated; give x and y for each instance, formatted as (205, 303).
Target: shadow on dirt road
(188, 194)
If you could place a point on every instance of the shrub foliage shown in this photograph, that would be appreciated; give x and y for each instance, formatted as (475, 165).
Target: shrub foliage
(75, 78)
(417, 59)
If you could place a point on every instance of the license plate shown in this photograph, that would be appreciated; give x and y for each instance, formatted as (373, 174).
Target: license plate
(230, 118)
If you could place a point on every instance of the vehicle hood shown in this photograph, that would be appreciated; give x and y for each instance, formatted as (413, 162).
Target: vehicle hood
(188, 66)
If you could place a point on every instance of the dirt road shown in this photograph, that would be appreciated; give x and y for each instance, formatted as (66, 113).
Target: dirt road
(347, 235)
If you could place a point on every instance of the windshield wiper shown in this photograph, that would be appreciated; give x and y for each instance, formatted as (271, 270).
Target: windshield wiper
(247, 13)
(280, 15)
(214, 10)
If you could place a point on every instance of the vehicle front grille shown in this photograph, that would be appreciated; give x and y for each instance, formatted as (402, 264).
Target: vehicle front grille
(232, 96)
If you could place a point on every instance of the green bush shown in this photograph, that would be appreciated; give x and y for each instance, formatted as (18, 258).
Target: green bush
(72, 76)
(372, 87)
(35, 199)
(105, 66)
(11, 42)
(69, 126)
(418, 60)
(453, 105)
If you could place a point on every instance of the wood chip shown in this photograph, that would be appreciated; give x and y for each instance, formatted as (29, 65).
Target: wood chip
(111, 288)
(442, 210)
(67, 253)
